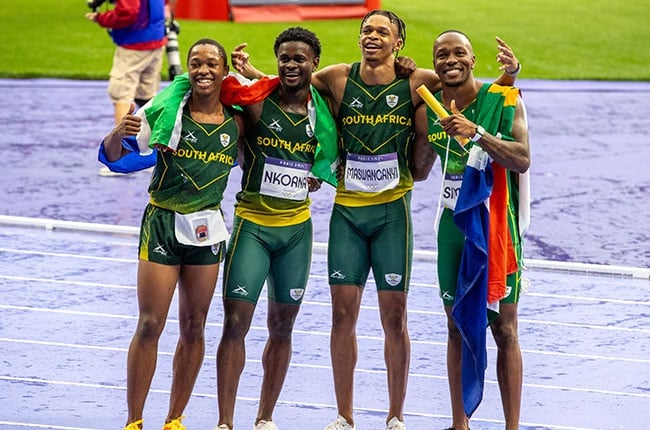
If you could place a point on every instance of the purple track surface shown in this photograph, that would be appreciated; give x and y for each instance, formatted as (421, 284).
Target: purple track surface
(68, 308)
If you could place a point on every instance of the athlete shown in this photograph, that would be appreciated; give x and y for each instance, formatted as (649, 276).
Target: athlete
(492, 119)
(182, 236)
(271, 240)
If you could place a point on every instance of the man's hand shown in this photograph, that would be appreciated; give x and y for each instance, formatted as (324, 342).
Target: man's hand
(313, 184)
(340, 172)
(92, 16)
(239, 57)
(130, 124)
(457, 125)
(241, 62)
(507, 58)
(404, 66)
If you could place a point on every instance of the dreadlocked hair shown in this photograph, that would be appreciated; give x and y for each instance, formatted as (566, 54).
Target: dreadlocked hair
(394, 19)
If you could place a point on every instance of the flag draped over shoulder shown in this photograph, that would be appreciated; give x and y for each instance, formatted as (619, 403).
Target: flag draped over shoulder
(481, 213)
(326, 157)
(162, 118)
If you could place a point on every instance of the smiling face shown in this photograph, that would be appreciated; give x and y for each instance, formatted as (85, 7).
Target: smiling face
(453, 59)
(379, 38)
(296, 63)
(206, 68)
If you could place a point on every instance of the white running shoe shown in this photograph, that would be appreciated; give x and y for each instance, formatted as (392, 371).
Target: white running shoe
(105, 171)
(395, 424)
(339, 424)
(265, 425)
(222, 427)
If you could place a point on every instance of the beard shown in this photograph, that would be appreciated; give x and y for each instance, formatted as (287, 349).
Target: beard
(456, 83)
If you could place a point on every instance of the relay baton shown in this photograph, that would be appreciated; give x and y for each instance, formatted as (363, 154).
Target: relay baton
(437, 108)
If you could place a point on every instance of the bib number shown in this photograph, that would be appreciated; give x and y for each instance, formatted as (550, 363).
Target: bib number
(450, 189)
(371, 173)
(285, 179)
(203, 228)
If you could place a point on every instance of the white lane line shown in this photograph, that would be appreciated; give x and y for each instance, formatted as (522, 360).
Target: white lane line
(286, 402)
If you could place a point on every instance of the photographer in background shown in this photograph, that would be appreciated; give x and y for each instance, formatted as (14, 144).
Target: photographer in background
(137, 27)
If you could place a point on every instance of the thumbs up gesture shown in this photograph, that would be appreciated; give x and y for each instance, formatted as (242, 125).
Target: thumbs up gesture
(130, 124)
(457, 125)
(454, 108)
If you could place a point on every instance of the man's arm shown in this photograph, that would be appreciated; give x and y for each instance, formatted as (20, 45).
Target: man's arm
(422, 154)
(513, 155)
(510, 65)
(129, 126)
(329, 81)
(124, 14)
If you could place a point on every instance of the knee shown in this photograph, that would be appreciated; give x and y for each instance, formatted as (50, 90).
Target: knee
(280, 331)
(192, 329)
(235, 326)
(149, 328)
(505, 333)
(343, 318)
(394, 321)
(452, 331)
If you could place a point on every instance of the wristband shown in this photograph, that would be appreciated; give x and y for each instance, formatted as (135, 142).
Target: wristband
(479, 134)
(515, 73)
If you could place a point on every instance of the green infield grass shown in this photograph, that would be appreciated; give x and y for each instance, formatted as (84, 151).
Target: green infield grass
(555, 39)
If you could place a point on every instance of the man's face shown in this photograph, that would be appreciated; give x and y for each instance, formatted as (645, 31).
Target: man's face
(206, 68)
(453, 59)
(296, 63)
(379, 38)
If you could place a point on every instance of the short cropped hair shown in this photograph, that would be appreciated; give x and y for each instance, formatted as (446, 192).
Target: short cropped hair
(298, 34)
(206, 41)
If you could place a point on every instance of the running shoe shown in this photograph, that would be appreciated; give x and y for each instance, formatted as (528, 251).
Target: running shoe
(265, 425)
(105, 171)
(339, 424)
(222, 427)
(175, 424)
(135, 425)
(395, 424)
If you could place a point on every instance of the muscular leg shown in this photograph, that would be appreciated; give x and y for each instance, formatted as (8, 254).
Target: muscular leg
(156, 284)
(509, 363)
(231, 355)
(397, 348)
(346, 301)
(196, 288)
(455, 372)
(276, 356)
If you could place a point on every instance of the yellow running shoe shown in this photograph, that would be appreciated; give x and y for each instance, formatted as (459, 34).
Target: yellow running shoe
(175, 424)
(135, 425)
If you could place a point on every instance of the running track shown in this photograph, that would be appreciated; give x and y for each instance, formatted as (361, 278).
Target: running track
(67, 294)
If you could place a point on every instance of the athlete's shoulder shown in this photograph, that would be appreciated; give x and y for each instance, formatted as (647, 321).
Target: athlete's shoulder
(330, 81)
(334, 70)
(421, 76)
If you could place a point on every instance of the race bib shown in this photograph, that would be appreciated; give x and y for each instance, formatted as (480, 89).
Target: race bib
(203, 228)
(371, 173)
(450, 189)
(285, 179)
